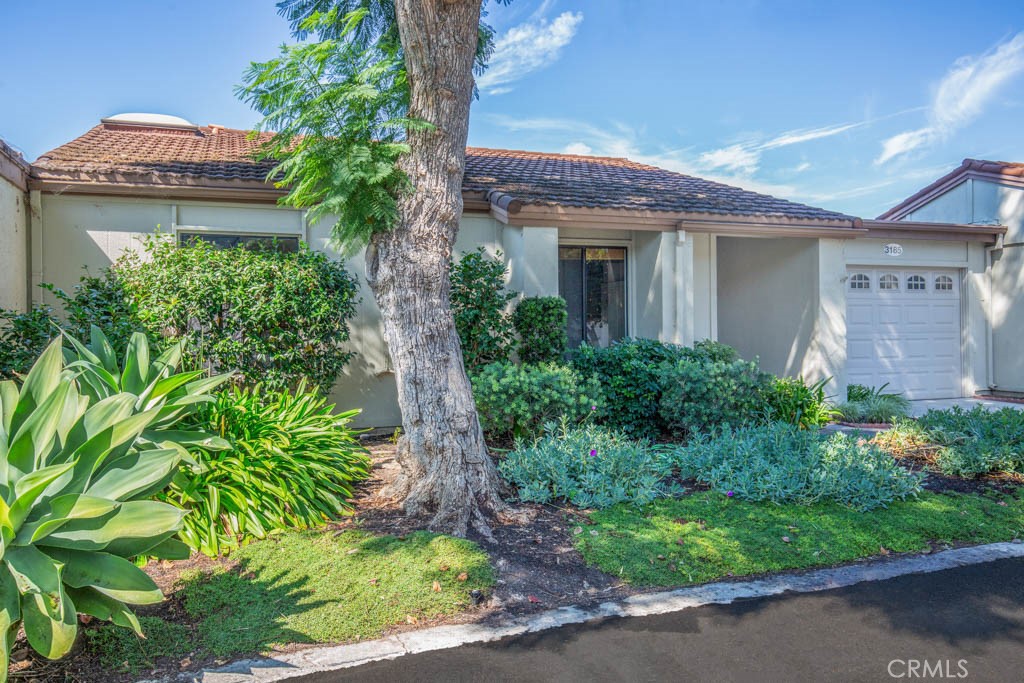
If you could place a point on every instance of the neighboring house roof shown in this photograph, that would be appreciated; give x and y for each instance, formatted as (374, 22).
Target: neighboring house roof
(1005, 171)
(114, 152)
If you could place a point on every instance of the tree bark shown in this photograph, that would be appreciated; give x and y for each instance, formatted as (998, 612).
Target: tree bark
(446, 470)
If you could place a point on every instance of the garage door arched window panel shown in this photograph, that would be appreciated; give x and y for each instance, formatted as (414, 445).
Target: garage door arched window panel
(917, 283)
(889, 282)
(943, 283)
(860, 281)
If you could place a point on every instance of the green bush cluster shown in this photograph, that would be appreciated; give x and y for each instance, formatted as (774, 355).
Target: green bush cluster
(269, 317)
(292, 464)
(873, 405)
(792, 400)
(479, 301)
(516, 401)
(588, 466)
(630, 374)
(541, 323)
(782, 463)
(701, 394)
(977, 441)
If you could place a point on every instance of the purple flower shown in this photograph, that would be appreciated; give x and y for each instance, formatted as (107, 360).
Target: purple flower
(593, 407)
(730, 494)
(593, 453)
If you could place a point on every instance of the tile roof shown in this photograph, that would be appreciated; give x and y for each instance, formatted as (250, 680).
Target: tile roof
(977, 167)
(217, 154)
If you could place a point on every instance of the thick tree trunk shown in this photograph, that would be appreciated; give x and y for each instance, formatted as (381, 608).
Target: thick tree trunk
(446, 470)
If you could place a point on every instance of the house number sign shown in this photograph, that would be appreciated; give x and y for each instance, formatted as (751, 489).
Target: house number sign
(893, 250)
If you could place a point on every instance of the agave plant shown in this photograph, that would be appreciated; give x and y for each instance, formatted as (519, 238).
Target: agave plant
(77, 470)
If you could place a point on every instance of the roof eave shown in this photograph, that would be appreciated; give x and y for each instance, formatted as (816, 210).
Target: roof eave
(969, 169)
(942, 232)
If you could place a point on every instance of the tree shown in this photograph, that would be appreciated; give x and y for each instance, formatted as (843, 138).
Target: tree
(373, 131)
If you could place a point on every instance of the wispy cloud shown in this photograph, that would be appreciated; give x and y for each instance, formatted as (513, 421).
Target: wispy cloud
(745, 157)
(961, 96)
(527, 48)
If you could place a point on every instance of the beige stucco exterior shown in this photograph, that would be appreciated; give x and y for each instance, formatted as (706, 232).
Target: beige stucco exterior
(1000, 293)
(14, 211)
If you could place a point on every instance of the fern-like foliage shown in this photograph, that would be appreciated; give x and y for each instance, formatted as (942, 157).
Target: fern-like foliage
(335, 121)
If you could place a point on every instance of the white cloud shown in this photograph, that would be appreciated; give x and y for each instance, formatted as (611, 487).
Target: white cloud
(745, 157)
(801, 167)
(527, 48)
(580, 148)
(961, 96)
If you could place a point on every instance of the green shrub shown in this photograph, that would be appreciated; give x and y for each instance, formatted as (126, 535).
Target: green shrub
(977, 441)
(291, 463)
(876, 409)
(479, 300)
(541, 323)
(861, 392)
(782, 463)
(272, 317)
(790, 399)
(78, 465)
(588, 466)
(629, 372)
(23, 337)
(515, 401)
(699, 395)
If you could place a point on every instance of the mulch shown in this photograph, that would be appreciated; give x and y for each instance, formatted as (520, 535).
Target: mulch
(536, 563)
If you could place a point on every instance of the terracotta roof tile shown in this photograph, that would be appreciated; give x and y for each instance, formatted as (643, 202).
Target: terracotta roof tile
(217, 153)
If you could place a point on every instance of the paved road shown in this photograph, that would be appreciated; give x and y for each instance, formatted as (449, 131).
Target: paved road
(974, 614)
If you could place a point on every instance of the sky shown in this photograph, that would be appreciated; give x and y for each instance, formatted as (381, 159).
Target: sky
(846, 106)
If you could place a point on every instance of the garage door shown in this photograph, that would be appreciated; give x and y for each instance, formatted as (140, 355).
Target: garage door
(903, 327)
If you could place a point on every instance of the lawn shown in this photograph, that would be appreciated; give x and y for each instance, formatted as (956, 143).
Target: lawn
(707, 535)
(305, 587)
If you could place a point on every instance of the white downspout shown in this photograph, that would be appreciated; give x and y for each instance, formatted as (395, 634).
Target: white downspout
(990, 363)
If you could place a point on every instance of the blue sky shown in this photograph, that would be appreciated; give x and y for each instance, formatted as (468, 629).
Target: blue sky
(849, 106)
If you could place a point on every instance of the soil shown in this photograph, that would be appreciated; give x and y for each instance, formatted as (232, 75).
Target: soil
(536, 564)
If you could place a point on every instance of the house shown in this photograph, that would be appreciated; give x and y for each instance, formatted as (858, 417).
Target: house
(635, 250)
(984, 193)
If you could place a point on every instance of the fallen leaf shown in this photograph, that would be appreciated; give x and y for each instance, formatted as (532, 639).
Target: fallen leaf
(444, 567)
(373, 582)
(883, 550)
(661, 557)
(785, 539)
(437, 586)
(410, 619)
(577, 531)
(533, 598)
(680, 541)
(352, 552)
(462, 577)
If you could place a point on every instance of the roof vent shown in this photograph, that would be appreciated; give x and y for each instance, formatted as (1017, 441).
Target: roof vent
(150, 122)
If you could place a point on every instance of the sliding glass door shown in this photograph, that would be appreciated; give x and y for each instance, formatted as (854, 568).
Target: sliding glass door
(592, 280)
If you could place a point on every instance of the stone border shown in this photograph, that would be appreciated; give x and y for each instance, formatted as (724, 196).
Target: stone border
(330, 658)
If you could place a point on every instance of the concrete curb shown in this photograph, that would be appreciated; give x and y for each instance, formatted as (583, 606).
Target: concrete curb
(319, 659)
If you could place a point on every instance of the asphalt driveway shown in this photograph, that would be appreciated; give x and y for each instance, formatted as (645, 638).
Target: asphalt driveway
(959, 624)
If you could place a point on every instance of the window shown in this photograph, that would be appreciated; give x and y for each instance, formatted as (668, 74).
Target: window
(230, 240)
(592, 280)
(916, 283)
(943, 283)
(888, 281)
(860, 281)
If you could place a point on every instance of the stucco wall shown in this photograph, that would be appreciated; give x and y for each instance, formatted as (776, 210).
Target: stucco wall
(984, 202)
(767, 299)
(13, 232)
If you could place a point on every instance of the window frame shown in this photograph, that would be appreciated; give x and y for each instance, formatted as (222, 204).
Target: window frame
(855, 281)
(628, 283)
(916, 278)
(886, 279)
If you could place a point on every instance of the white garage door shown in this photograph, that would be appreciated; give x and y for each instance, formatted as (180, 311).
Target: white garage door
(903, 327)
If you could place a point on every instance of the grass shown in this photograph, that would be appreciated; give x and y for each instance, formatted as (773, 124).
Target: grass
(707, 536)
(309, 587)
